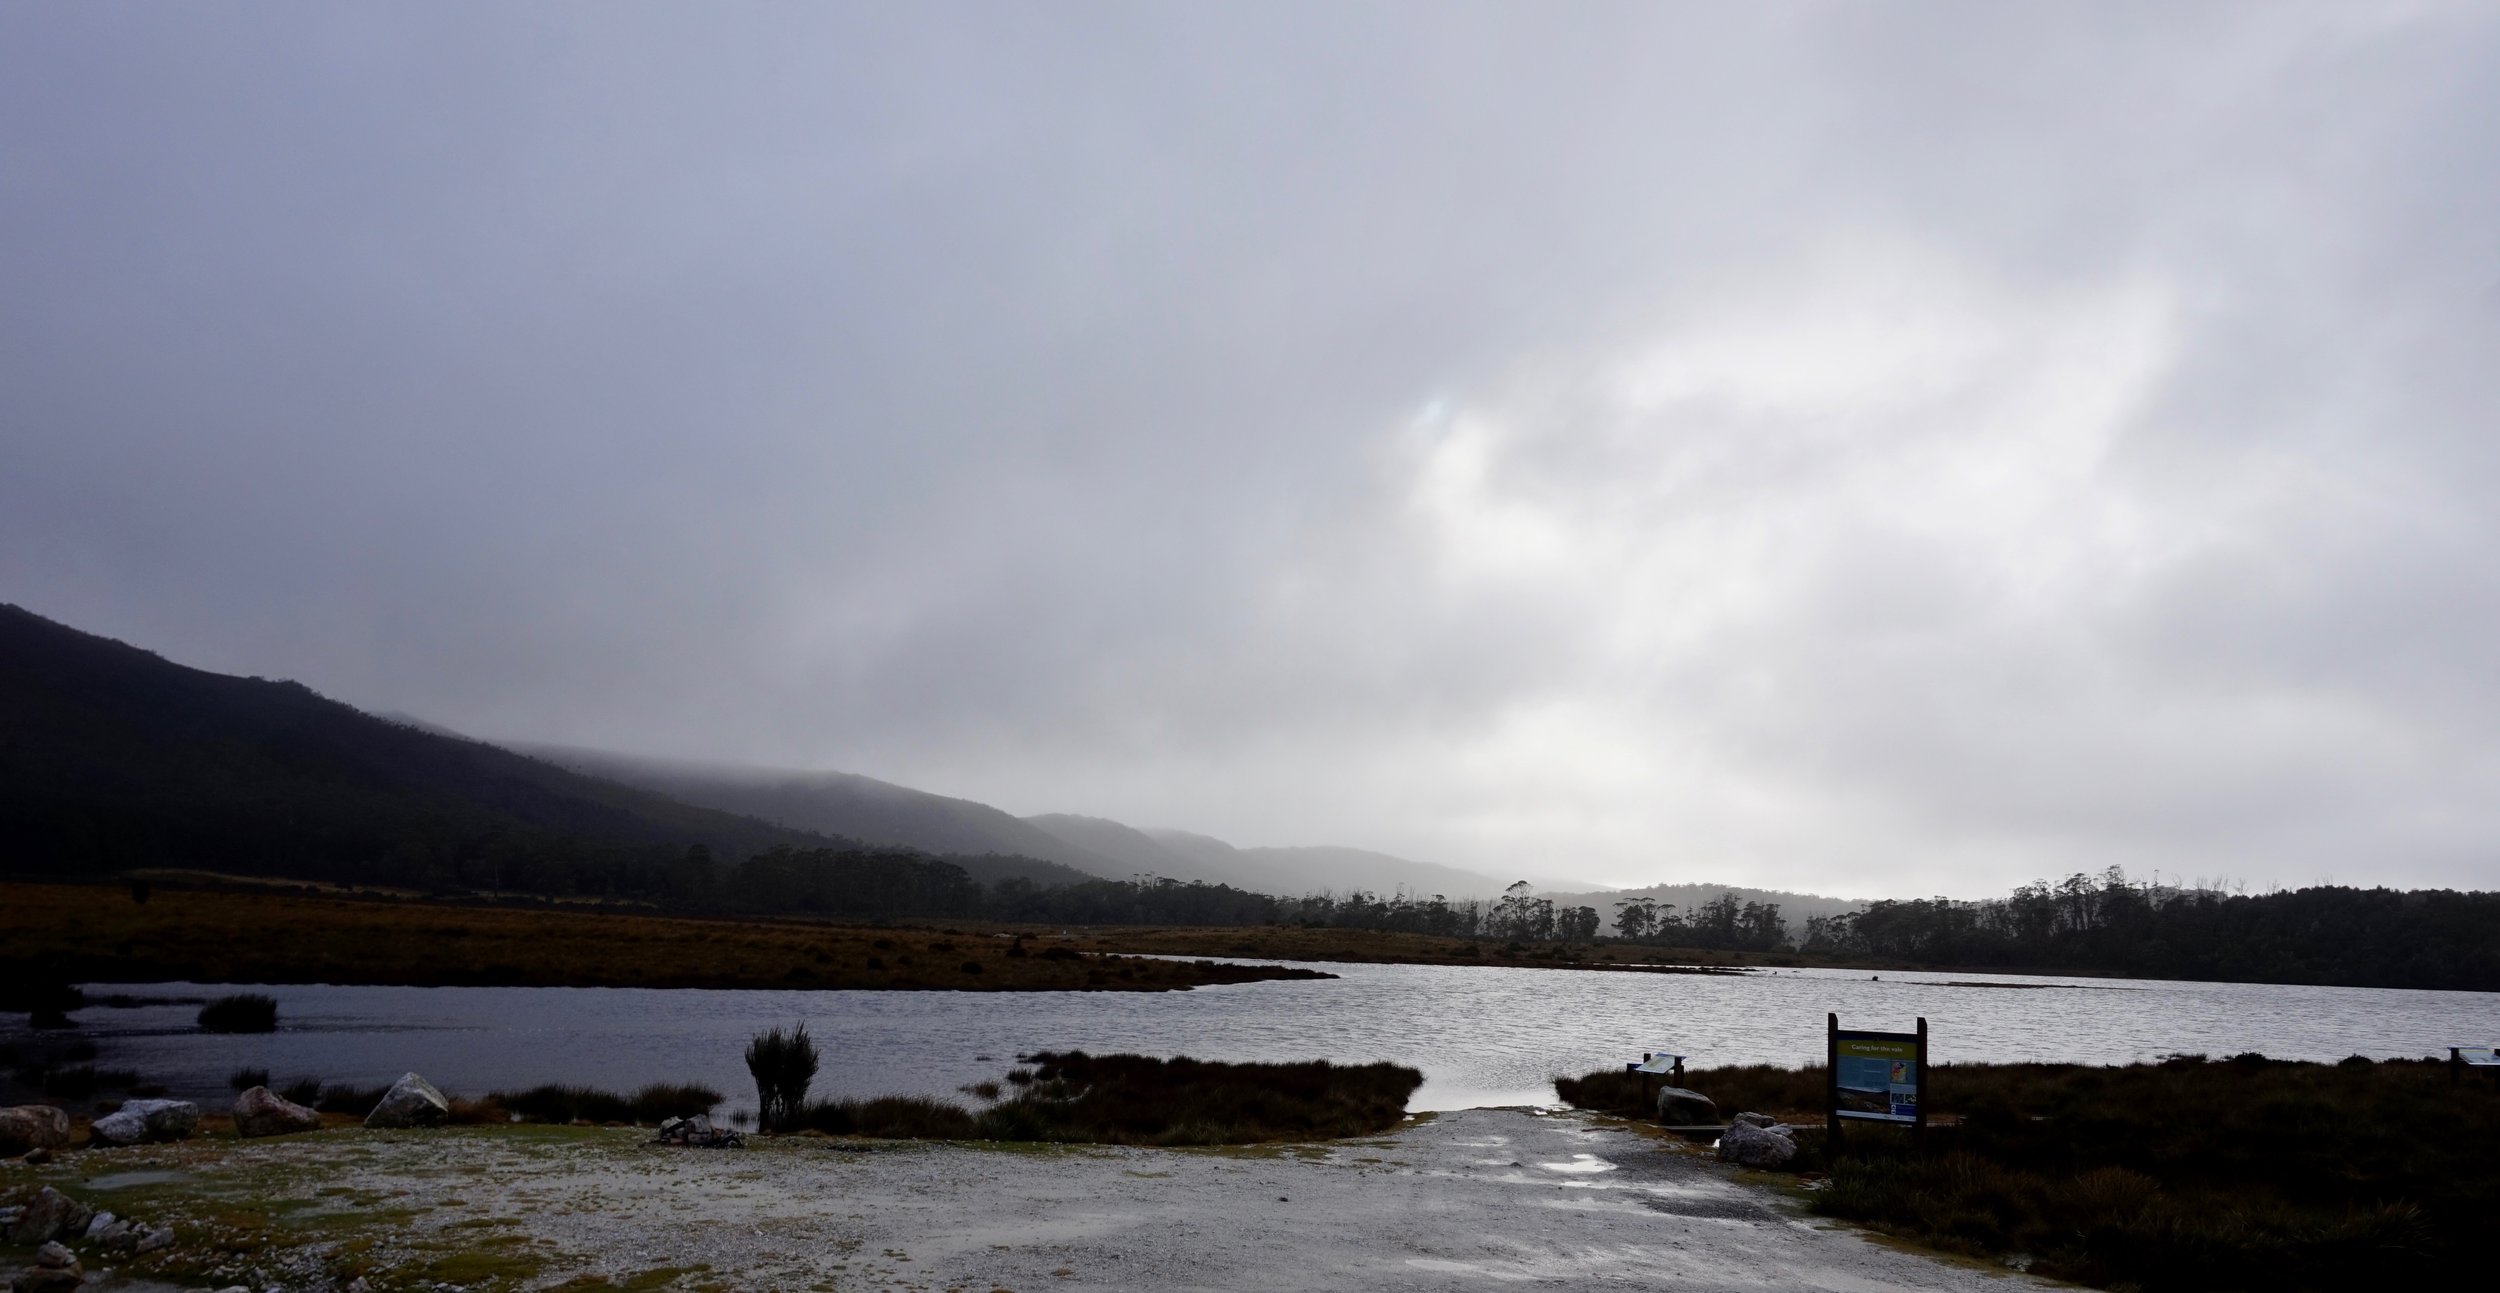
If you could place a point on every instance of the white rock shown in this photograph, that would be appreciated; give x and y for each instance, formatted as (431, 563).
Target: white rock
(412, 1102)
(1751, 1146)
(145, 1120)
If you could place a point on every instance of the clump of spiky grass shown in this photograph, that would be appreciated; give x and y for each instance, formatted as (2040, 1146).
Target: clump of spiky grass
(783, 1065)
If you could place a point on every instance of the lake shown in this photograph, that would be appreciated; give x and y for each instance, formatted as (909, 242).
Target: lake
(1481, 1035)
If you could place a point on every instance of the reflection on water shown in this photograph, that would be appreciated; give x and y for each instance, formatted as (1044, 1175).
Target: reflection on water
(1482, 1036)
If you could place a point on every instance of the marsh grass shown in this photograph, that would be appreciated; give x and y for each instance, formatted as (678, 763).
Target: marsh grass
(1073, 1097)
(246, 1012)
(340, 1097)
(651, 1104)
(2189, 1173)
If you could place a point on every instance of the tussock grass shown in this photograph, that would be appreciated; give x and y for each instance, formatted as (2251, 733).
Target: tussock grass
(246, 1012)
(783, 1064)
(2188, 1174)
(244, 1079)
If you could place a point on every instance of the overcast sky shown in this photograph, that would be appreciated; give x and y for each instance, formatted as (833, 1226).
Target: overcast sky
(1878, 449)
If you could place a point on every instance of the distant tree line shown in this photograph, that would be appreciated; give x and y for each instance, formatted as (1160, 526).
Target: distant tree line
(1722, 923)
(2329, 934)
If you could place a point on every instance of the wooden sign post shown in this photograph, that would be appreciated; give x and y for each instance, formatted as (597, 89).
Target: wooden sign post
(1873, 1077)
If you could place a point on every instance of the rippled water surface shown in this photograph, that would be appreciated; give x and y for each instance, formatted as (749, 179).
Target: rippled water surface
(1482, 1036)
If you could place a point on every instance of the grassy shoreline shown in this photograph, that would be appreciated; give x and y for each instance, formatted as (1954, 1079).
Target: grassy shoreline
(2186, 1174)
(98, 934)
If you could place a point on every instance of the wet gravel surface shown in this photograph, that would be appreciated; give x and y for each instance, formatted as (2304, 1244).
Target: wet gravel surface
(1469, 1200)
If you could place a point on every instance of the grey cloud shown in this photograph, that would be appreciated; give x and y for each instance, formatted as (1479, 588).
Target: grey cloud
(1861, 449)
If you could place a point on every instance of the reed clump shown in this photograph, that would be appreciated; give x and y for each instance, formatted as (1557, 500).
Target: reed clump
(782, 1064)
(246, 1012)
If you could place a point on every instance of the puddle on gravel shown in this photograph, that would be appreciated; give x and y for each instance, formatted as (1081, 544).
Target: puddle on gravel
(1580, 1164)
(132, 1180)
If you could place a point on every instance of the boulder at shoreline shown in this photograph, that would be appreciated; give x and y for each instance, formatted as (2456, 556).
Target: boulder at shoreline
(142, 1121)
(263, 1112)
(1678, 1107)
(412, 1102)
(29, 1127)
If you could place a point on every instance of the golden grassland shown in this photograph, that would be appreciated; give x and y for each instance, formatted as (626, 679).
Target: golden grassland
(98, 933)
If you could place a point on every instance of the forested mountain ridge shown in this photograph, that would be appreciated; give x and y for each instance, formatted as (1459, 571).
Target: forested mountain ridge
(112, 757)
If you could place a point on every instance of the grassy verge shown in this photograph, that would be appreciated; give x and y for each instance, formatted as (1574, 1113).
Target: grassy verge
(2244, 1173)
(95, 933)
(1073, 1097)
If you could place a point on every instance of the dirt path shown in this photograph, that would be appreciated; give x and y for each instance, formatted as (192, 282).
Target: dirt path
(1470, 1200)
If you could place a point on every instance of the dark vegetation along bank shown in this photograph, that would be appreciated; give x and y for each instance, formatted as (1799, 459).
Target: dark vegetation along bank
(1102, 1099)
(51, 935)
(1141, 1100)
(2188, 1174)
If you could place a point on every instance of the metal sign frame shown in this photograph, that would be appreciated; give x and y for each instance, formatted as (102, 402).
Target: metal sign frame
(1914, 1045)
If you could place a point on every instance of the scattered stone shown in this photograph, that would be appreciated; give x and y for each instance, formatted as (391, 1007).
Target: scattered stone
(1751, 1144)
(56, 1270)
(412, 1102)
(263, 1112)
(47, 1216)
(160, 1237)
(103, 1221)
(1678, 1107)
(47, 1279)
(1758, 1120)
(29, 1127)
(38, 1156)
(141, 1121)
(114, 1236)
(698, 1132)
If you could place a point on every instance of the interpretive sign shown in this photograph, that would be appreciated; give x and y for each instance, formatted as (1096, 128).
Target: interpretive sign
(1876, 1077)
(1660, 1062)
(2479, 1057)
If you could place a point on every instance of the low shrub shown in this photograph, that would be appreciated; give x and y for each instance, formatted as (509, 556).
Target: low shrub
(651, 1104)
(1606, 1091)
(892, 1117)
(248, 1012)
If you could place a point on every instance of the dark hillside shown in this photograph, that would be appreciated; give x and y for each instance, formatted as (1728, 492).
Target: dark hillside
(113, 757)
